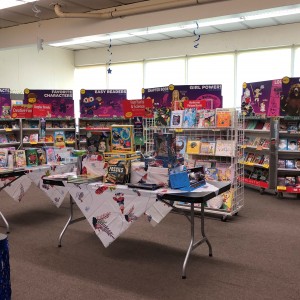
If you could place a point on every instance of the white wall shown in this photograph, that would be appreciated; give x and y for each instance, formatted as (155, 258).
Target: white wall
(274, 36)
(26, 67)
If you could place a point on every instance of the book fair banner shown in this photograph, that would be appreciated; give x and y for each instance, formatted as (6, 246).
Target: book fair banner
(61, 101)
(102, 103)
(138, 108)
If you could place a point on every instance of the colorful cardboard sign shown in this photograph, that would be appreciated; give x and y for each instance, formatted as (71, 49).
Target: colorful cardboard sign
(138, 108)
(290, 97)
(102, 103)
(21, 111)
(5, 102)
(61, 100)
(41, 110)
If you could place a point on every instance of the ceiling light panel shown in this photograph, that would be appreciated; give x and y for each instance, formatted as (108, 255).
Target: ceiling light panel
(12, 3)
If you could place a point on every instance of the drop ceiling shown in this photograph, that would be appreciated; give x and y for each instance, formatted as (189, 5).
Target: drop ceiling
(42, 10)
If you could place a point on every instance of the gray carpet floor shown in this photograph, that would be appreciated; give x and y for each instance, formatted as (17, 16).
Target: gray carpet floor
(256, 255)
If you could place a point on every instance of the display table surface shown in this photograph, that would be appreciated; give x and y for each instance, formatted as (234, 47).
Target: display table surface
(112, 209)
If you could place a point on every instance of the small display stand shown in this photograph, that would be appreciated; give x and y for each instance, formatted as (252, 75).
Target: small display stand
(5, 288)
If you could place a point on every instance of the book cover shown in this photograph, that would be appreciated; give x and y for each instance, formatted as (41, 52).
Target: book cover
(70, 137)
(283, 144)
(297, 163)
(189, 119)
(50, 155)
(180, 145)
(258, 158)
(33, 123)
(164, 144)
(5, 111)
(266, 144)
(3, 157)
(49, 138)
(207, 118)
(267, 126)
(292, 127)
(211, 174)
(259, 125)
(31, 157)
(250, 157)
(117, 171)
(207, 148)
(292, 144)
(281, 164)
(122, 138)
(41, 156)
(176, 118)
(193, 147)
(225, 148)
(251, 124)
(3, 138)
(266, 160)
(290, 181)
(290, 164)
(298, 181)
(227, 200)
(256, 142)
(162, 116)
(11, 138)
(19, 158)
(59, 138)
(48, 124)
(224, 117)
(225, 171)
(33, 138)
(281, 181)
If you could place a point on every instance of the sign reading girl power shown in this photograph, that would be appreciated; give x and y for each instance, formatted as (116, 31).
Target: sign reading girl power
(62, 103)
(102, 103)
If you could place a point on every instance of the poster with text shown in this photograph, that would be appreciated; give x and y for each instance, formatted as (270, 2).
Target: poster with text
(290, 97)
(261, 98)
(62, 103)
(5, 103)
(161, 96)
(138, 108)
(102, 103)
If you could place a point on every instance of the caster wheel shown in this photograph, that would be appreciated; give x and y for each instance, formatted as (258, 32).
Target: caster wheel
(236, 213)
(280, 195)
(262, 191)
(224, 218)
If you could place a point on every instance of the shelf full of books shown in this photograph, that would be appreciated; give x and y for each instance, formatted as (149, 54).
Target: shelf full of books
(211, 138)
(9, 133)
(288, 166)
(95, 133)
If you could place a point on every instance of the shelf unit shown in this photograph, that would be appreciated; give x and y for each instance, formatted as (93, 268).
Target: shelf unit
(234, 135)
(10, 133)
(259, 154)
(288, 167)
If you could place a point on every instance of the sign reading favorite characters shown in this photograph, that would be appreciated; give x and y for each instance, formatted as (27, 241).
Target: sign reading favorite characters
(61, 101)
(102, 103)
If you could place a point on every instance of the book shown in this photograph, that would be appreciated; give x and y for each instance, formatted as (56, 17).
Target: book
(180, 144)
(297, 163)
(5, 111)
(292, 127)
(224, 117)
(207, 148)
(258, 158)
(59, 138)
(33, 138)
(193, 147)
(189, 118)
(266, 160)
(207, 118)
(292, 144)
(3, 138)
(19, 158)
(290, 181)
(259, 125)
(50, 155)
(48, 124)
(203, 163)
(266, 144)
(122, 138)
(290, 164)
(11, 138)
(250, 157)
(225, 148)
(211, 174)
(41, 156)
(281, 181)
(283, 144)
(49, 138)
(33, 123)
(31, 157)
(164, 145)
(162, 116)
(225, 171)
(70, 137)
(267, 126)
(281, 164)
(176, 118)
(3, 157)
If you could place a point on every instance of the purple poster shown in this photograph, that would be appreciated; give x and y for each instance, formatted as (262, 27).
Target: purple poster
(62, 103)
(261, 98)
(173, 96)
(5, 102)
(290, 97)
(160, 95)
(212, 93)
(102, 103)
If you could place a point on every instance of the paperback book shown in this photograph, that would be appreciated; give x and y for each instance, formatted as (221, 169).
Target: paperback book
(19, 158)
(207, 118)
(31, 157)
(177, 118)
(193, 147)
(224, 117)
(3, 157)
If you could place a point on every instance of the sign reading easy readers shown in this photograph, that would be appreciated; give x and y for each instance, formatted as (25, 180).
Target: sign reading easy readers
(61, 101)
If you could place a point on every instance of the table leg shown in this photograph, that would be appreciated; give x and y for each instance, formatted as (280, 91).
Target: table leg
(193, 245)
(5, 221)
(70, 221)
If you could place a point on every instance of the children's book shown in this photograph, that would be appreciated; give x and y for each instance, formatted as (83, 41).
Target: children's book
(225, 171)
(162, 116)
(31, 157)
(250, 157)
(281, 164)
(50, 155)
(3, 138)
(49, 138)
(267, 126)
(297, 163)
(266, 160)
(251, 124)
(164, 144)
(11, 138)
(283, 144)
(180, 145)
(266, 144)
(292, 144)
(189, 162)
(189, 119)
(48, 124)
(193, 147)
(59, 138)
(292, 127)
(290, 164)
(122, 138)
(5, 111)
(41, 156)
(207, 118)
(208, 148)
(225, 148)
(258, 158)
(33, 138)
(176, 118)
(3, 157)
(224, 117)
(211, 174)
(290, 181)
(281, 181)
(19, 158)
(70, 137)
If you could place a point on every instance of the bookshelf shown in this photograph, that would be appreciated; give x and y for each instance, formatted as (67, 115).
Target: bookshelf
(217, 148)
(10, 134)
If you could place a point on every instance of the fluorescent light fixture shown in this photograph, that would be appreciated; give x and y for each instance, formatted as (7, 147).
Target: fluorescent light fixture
(273, 14)
(11, 3)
